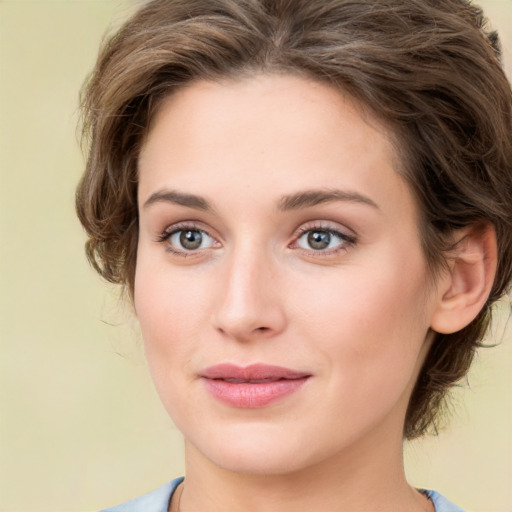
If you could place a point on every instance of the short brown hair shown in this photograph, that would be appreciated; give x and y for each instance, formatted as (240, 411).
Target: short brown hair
(427, 68)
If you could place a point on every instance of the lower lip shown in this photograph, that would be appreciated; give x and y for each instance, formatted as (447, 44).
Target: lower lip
(248, 395)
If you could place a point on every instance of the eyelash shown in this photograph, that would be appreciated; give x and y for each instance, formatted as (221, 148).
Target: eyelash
(347, 241)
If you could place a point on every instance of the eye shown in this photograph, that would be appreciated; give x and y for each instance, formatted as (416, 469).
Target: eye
(323, 240)
(187, 239)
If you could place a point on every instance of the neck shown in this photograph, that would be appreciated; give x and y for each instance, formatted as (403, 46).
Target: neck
(365, 478)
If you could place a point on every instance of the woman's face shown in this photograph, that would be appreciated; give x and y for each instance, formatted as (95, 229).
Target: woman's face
(280, 285)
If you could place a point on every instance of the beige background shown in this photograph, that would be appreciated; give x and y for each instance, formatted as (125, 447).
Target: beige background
(80, 425)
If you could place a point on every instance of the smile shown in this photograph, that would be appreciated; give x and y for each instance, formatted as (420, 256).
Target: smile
(252, 386)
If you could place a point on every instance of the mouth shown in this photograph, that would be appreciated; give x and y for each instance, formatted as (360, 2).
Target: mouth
(253, 386)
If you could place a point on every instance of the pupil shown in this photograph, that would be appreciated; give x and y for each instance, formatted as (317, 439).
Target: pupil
(319, 239)
(191, 239)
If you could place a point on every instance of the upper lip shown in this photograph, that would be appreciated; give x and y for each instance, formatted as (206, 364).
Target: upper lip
(253, 372)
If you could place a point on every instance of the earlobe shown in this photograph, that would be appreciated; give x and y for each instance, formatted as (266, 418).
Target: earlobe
(465, 288)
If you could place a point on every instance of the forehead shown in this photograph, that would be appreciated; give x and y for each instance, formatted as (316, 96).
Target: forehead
(264, 132)
(267, 98)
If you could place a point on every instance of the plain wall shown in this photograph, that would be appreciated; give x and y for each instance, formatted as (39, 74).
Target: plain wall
(80, 424)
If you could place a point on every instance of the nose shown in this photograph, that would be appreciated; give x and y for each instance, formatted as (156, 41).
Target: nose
(250, 304)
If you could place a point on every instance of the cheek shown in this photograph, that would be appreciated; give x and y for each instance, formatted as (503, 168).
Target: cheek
(170, 309)
(370, 324)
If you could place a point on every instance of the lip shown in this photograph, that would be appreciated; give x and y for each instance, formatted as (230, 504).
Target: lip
(253, 386)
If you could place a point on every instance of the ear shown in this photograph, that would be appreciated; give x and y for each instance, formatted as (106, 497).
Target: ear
(464, 289)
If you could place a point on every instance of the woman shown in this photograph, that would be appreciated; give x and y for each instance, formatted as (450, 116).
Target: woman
(309, 203)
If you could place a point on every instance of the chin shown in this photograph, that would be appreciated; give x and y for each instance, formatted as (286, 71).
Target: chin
(256, 461)
(256, 450)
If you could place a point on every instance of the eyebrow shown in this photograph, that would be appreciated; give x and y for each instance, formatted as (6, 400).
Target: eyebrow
(297, 201)
(180, 198)
(309, 198)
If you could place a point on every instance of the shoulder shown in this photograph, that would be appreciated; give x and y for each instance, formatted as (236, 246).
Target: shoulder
(156, 501)
(441, 504)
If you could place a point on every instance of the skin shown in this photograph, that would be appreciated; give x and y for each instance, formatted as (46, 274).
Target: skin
(355, 316)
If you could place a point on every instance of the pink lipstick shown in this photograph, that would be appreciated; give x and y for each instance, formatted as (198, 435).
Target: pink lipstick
(252, 386)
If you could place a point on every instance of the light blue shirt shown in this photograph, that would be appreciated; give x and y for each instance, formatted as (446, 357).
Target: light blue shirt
(158, 501)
